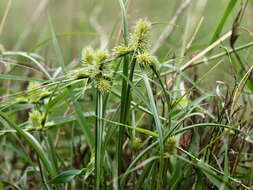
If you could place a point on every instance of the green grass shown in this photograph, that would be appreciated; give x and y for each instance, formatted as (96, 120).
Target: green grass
(123, 118)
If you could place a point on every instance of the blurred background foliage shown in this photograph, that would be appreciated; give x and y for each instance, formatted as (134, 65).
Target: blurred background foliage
(27, 23)
(82, 22)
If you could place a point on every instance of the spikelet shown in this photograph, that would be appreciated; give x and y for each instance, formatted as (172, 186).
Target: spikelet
(88, 56)
(121, 50)
(140, 38)
(21, 100)
(136, 143)
(101, 55)
(80, 74)
(103, 86)
(36, 92)
(171, 145)
(36, 118)
(144, 58)
(32, 86)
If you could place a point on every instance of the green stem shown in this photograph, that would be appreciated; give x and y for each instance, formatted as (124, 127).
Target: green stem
(167, 96)
(122, 116)
(99, 139)
(123, 92)
(128, 94)
(125, 104)
(157, 124)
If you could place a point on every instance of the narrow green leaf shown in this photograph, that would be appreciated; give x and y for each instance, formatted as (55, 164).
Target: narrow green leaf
(87, 132)
(14, 77)
(56, 46)
(65, 176)
(33, 143)
(223, 20)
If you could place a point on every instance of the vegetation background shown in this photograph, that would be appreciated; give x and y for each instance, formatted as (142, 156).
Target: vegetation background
(217, 92)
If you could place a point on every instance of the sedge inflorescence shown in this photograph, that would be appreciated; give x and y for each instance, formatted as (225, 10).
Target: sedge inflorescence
(36, 119)
(95, 69)
(140, 41)
(136, 143)
(140, 38)
(36, 92)
(171, 145)
(139, 44)
(93, 61)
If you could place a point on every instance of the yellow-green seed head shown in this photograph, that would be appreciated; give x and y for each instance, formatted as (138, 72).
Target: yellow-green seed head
(144, 58)
(36, 92)
(44, 93)
(33, 91)
(136, 143)
(101, 55)
(21, 100)
(140, 38)
(36, 118)
(104, 86)
(88, 55)
(121, 50)
(33, 85)
(81, 75)
(108, 76)
(171, 145)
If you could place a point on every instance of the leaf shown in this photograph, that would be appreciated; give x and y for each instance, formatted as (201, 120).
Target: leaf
(219, 182)
(199, 184)
(81, 120)
(176, 174)
(29, 170)
(66, 176)
(56, 46)
(220, 26)
(13, 77)
(236, 25)
(32, 142)
(124, 21)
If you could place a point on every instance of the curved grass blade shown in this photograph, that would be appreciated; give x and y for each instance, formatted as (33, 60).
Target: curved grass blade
(33, 143)
(66, 176)
(223, 20)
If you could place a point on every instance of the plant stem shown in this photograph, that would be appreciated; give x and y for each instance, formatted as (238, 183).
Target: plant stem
(122, 120)
(158, 125)
(124, 112)
(99, 139)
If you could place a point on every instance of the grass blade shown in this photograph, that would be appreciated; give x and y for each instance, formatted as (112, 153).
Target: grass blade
(33, 143)
(99, 139)
(87, 133)
(223, 20)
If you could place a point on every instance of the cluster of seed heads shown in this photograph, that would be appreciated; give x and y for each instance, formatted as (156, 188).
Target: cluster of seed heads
(139, 44)
(90, 57)
(35, 94)
(92, 61)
